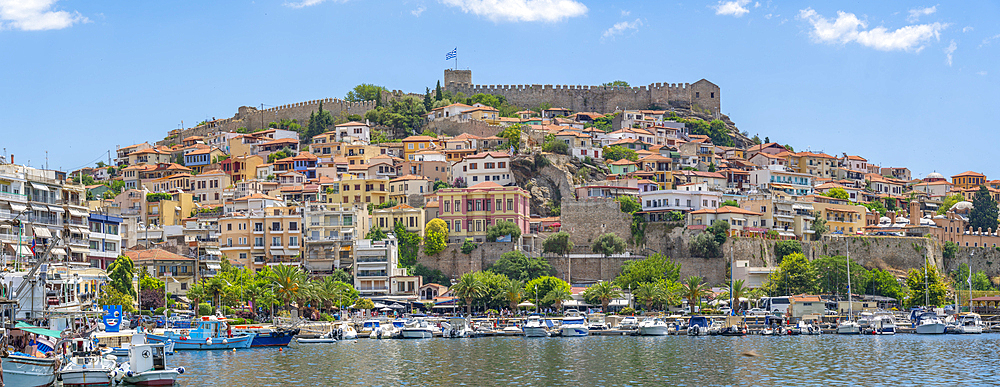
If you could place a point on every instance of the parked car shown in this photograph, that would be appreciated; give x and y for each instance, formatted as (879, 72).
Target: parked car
(725, 310)
(757, 312)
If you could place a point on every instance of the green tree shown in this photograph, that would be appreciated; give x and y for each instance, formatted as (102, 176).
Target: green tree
(615, 153)
(948, 202)
(376, 234)
(818, 226)
(503, 228)
(832, 273)
(468, 246)
(555, 146)
(608, 244)
(111, 296)
(704, 245)
(409, 245)
(557, 296)
(984, 211)
(539, 288)
(652, 269)
(288, 283)
(949, 250)
(364, 304)
(468, 288)
(428, 101)
(436, 239)
(512, 291)
(517, 266)
(795, 275)
(875, 206)
(937, 290)
(890, 204)
(837, 193)
(602, 292)
(558, 243)
(731, 203)
(694, 289)
(365, 92)
(657, 293)
(440, 184)
(319, 122)
(430, 276)
(784, 248)
(719, 230)
(405, 113)
(281, 154)
(437, 92)
(615, 84)
(882, 283)
(120, 273)
(513, 136)
(739, 291)
(337, 292)
(628, 204)
(342, 276)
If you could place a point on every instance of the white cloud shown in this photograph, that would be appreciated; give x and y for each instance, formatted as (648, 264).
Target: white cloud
(521, 10)
(418, 11)
(982, 72)
(967, 29)
(756, 5)
(304, 3)
(620, 28)
(848, 28)
(949, 51)
(988, 41)
(916, 13)
(36, 15)
(732, 8)
(626, 13)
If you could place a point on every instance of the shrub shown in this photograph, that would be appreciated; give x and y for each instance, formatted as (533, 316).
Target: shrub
(468, 246)
(227, 310)
(627, 310)
(204, 309)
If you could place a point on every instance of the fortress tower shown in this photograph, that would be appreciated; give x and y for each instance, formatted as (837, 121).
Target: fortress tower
(457, 76)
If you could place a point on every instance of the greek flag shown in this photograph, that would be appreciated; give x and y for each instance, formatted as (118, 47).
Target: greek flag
(451, 54)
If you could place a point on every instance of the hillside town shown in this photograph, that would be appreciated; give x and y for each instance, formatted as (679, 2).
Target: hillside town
(394, 217)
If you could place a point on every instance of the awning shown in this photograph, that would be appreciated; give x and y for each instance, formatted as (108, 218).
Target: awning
(177, 208)
(76, 212)
(58, 251)
(212, 251)
(17, 207)
(39, 187)
(78, 229)
(786, 233)
(42, 232)
(346, 248)
(382, 265)
(56, 209)
(79, 250)
(347, 231)
(781, 186)
(214, 266)
(38, 330)
(798, 206)
(22, 250)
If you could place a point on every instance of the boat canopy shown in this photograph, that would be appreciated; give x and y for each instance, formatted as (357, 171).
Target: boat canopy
(38, 330)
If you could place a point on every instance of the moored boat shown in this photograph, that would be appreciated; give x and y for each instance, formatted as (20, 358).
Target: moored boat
(21, 369)
(266, 336)
(574, 324)
(698, 326)
(970, 323)
(928, 323)
(629, 323)
(84, 365)
(883, 323)
(417, 328)
(211, 333)
(653, 326)
(535, 327)
(147, 366)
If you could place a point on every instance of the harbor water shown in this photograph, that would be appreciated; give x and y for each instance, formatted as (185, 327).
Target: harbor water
(904, 359)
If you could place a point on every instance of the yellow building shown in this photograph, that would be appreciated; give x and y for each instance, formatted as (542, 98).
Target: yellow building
(967, 180)
(265, 237)
(359, 154)
(168, 212)
(820, 165)
(842, 217)
(483, 113)
(412, 218)
(414, 144)
(353, 190)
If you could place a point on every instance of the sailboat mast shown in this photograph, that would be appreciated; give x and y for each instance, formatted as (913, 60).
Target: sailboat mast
(732, 310)
(850, 301)
(926, 294)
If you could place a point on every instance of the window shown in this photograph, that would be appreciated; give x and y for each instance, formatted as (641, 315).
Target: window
(293, 226)
(472, 166)
(479, 205)
(447, 205)
(458, 206)
(469, 206)
(258, 226)
(275, 241)
(95, 245)
(510, 204)
(499, 206)
(293, 241)
(243, 255)
(258, 242)
(184, 269)
(458, 225)
(229, 227)
(110, 246)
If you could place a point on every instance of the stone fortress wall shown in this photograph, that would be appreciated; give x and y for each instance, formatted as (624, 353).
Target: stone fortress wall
(601, 99)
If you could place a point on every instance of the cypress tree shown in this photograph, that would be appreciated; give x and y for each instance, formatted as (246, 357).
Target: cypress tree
(984, 211)
(437, 92)
(428, 103)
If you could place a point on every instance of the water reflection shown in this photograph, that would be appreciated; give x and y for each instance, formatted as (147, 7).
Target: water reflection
(604, 361)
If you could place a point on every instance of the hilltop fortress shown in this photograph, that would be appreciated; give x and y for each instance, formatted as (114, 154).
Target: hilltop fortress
(703, 94)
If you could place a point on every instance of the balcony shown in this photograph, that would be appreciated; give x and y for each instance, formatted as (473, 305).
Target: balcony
(371, 273)
(13, 196)
(373, 288)
(373, 260)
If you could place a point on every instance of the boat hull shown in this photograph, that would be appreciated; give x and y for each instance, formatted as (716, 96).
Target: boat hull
(203, 344)
(274, 339)
(850, 329)
(653, 331)
(574, 331)
(967, 330)
(153, 378)
(931, 329)
(91, 377)
(417, 333)
(28, 371)
(535, 332)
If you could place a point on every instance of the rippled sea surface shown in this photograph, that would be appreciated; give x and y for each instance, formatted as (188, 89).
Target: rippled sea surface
(905, 359)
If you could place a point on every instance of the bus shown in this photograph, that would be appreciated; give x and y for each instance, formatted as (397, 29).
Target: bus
(775, 304)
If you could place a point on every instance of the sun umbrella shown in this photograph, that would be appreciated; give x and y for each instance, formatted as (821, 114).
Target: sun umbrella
(397, 306)
(526, 304)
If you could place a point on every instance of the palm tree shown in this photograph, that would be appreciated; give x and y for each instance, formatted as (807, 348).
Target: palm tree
(605, 291)
(738, 291)
(557, 295)
(694, 289)
(196, 293)
(469, 288)
(213, 288)
(649, 293)
(513, 290)
(288, 281)
(336, 292)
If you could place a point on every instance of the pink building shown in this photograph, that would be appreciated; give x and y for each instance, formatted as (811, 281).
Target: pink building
(470, 211)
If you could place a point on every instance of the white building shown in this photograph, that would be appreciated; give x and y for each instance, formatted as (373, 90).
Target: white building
(776, 178)
(656, 203)
(354, 129)
(375, 263)
(486, 166)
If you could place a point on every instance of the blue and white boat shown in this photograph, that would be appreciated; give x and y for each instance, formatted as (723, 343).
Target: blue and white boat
(698, 326)
(210, 333)
(574, 324)
(267, 336)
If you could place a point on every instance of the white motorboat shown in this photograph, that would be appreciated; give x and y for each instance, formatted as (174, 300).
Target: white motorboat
(418, 328)
(329, 337)
(146, 367)
(848, 327)
(629, 323)
(595, 322)
(928, 323)
(368, 326)
(84, 365)
(535, 327)
(345, 331)
(457, 328)
(865, 320)
(805, 328)
(970, 323)
(653, 326)
(698, 326)
(574, 324)
(883, 323)
(715, 328)
(774, 326)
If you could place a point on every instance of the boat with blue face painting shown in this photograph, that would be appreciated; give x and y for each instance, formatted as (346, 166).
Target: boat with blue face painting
(209, 333)
(574, 324)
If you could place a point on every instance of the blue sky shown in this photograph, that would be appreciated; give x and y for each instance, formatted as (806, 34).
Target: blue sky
(900, 83)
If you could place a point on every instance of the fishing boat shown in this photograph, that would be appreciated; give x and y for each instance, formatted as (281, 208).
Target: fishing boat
(323, 339)
(84, 366)
(146, 366)
(20, 368)
(534, 326)
(629, 323)
(883, 323)
(970, 323)
(418, 328)
(574, 324)
(928, 323)
(848, 326)
(698, 326)
(265, 336)
(211, 333)
(653, 326)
